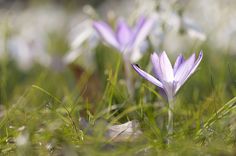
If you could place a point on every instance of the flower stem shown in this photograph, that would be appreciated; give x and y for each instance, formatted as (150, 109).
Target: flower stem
(170, 120)
(129, 78)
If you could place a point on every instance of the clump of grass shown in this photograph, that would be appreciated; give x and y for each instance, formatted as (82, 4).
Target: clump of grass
(41, 111)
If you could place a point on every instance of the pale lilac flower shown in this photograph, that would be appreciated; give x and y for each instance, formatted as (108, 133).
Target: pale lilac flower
(169, 78)
(125, 39)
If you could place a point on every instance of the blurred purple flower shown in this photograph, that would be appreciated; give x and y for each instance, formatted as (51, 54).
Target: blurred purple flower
(125, 39)
(167, 78)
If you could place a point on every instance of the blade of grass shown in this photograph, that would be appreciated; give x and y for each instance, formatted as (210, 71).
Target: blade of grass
(56, 99)
(222, 112)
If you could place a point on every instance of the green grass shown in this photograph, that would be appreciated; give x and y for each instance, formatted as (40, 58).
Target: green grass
(45, 107)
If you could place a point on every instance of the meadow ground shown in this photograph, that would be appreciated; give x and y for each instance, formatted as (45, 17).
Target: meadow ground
(41, 110)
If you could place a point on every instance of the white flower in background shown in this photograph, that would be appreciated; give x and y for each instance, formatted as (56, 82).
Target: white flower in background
(30, 29)
(20, 52)
(26, 52)
(193, 30)
(83, 39)
(178, 23)
(168, 25)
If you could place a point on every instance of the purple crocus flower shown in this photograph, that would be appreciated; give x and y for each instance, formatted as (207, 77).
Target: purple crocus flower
(169, 78)
(125, 39)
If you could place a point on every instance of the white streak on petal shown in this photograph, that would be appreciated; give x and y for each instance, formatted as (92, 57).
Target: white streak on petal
(166, 68)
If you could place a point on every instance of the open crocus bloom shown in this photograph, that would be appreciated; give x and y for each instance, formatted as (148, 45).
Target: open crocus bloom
(124, 38)
(167, 78)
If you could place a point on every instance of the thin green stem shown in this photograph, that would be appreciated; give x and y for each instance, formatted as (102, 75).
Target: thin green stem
(170, 126)
(129, 77)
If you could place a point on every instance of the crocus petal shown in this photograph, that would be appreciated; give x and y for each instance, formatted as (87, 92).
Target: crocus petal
(178, 62)
(183, 72)
(123, 33)
(141, 30)
(196, 64)
(156, 65)
(167, 85)
(106, 33)
(147, 76)
(139, 24)
(166, 68)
